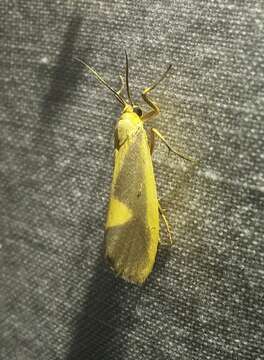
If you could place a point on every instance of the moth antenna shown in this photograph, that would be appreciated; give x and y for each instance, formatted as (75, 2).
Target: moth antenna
(127, 82)
(100, 79)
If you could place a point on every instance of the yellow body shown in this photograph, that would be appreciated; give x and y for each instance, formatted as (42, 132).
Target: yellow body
(132, 226)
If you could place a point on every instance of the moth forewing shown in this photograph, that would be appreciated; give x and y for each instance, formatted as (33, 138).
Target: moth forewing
(132, 227)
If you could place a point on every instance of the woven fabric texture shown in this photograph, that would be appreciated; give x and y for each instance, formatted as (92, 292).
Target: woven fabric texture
(58, 299)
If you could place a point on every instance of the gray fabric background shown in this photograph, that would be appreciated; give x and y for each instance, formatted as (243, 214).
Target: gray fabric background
(204, 299)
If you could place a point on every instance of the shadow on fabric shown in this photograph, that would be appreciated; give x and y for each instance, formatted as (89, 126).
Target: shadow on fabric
(102, 325)
(63, 81)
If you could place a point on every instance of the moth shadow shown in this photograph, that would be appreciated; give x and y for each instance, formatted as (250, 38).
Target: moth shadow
(100, 324)
(63, 82)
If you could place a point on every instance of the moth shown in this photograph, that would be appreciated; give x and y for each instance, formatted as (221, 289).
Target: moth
(132, 225)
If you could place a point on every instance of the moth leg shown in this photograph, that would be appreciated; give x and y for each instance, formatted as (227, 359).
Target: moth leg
(120, 91)
(155, 110)
(161, 211)
(177, 152)
(151, 141)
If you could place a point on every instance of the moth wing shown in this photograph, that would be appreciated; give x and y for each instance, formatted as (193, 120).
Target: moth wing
(132, 228)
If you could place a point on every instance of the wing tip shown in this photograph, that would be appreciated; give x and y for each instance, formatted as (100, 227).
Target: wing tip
(134, 276)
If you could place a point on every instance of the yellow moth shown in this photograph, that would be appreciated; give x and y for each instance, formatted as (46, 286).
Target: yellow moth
(132, 226)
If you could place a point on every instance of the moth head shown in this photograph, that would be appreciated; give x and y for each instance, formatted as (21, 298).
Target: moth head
(137, 110)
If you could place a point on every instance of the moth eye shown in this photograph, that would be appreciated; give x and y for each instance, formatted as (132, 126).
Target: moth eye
(137, 110)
